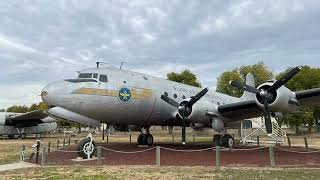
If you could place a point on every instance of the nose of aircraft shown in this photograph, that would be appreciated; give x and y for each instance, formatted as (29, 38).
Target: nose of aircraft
(47, 93)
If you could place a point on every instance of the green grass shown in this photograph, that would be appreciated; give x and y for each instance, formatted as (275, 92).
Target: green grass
(151, 172)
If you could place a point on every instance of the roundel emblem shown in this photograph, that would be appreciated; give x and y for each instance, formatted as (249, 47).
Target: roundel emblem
(124, 94)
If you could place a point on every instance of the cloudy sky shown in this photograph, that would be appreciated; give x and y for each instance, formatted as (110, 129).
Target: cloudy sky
(45, 40)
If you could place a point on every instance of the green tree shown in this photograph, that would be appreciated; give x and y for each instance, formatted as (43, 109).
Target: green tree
(185, 77)
(18, 109)
(260, 72)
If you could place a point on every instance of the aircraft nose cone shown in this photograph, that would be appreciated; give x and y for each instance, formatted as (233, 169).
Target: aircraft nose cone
(47, 93)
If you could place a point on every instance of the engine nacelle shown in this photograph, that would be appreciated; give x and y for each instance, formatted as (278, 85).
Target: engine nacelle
(65, 115)
(199, 112)
(127, 127)
(279, 100)
(217, 124)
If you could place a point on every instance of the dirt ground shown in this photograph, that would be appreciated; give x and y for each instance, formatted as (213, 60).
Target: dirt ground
(240, 156)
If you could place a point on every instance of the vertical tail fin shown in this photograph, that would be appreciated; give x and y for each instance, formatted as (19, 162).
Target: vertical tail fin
(248, 95)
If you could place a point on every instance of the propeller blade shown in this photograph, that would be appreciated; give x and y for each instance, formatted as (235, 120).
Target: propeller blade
(183, 129)
(267, 117)
(238, 84)
(196, 98)
(284, 79)
(170, 101)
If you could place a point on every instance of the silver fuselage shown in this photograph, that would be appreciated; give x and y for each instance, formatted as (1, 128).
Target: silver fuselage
(101, 100)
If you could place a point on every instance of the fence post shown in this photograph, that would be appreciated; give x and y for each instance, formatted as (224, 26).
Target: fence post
(194, 139)
(99, 156)
(158, 155)
(306, 142)
(43, 156)
(172, 138)
(58, 142)
(289, 142)
(217, 157)
(76, 141)
(64, 142)
(107, 138)
(49, 145)
(258, 140)
(38, 149)
(130, 138)
(23, 148)
(271, 153)
(69, 141)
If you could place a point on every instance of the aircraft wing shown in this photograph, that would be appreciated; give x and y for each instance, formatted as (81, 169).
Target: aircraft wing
(240, 110)
(310, 97)
(33, 115)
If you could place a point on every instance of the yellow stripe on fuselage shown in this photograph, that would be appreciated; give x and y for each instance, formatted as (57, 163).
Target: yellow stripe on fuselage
(136, 93)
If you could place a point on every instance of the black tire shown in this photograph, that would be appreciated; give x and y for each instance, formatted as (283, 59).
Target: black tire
(140, 139)
(227, 141)
(23, 136)
(81, 146)
(11, 136)
(148, 139)
(217, 140)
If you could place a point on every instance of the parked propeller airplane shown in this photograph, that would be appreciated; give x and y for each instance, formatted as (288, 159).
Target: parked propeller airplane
(21, 124)
(135, 101)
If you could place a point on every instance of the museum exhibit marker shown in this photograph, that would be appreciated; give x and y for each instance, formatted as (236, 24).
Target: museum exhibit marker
(23, 148)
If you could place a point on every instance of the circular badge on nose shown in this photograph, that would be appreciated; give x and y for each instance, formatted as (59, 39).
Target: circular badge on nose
(124, 94)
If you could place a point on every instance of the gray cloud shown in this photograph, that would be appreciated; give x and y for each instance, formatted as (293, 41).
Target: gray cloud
(42, 40)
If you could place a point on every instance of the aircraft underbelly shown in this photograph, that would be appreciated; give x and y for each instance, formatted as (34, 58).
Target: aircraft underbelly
(41, 128)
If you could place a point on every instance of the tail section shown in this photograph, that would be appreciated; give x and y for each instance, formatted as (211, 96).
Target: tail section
(248, 95)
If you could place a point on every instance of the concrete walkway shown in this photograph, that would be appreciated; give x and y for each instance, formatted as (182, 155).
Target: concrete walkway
(13, 166)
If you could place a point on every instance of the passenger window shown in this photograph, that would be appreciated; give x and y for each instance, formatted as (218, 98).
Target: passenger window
(166, 94)
(85, 75)
(103, 78)
(95, 76)
(175, 96)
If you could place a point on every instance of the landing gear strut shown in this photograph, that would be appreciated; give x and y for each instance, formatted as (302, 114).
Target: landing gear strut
(225, 141)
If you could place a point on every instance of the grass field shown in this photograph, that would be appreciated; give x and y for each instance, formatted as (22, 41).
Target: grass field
(151, 172)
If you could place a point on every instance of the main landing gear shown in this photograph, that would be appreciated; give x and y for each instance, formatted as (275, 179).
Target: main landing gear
(224, 141)
(145, 139)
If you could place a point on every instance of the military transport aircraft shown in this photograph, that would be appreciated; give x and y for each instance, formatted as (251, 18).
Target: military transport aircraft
(135, 101)
(21, 124)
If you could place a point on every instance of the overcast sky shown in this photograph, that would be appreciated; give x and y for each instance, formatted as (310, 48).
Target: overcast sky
(45, 40)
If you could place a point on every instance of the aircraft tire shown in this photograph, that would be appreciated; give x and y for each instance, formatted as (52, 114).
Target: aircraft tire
(148, 139)
(140, 139)
(227, 141)
(83, 147)
(23, 136)
(11, 136)
(217, 140)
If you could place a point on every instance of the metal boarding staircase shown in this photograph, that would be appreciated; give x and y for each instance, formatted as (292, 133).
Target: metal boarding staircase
(278, 135)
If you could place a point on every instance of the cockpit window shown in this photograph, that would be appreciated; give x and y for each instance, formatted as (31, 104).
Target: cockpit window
(103, 78)
(80, 80)
(95, 76)
(85, 75)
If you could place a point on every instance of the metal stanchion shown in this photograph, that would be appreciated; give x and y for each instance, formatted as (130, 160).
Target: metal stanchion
(158, 155)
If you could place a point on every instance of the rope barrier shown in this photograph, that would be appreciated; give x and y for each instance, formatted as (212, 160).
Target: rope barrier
(194, 150)
(299, 152)
(126, 152)
(250, 149)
